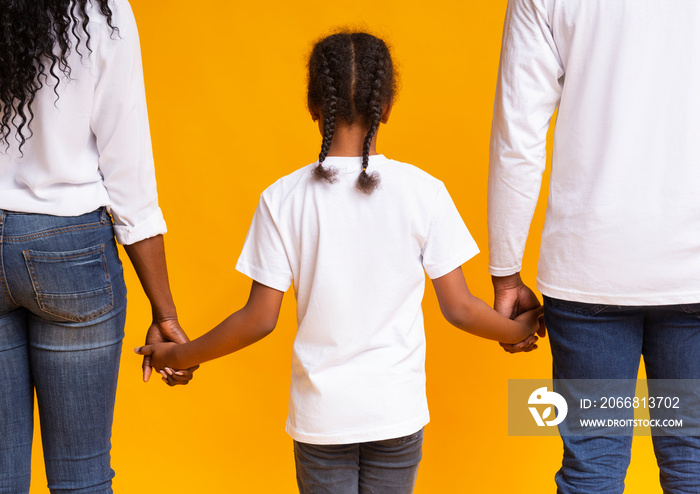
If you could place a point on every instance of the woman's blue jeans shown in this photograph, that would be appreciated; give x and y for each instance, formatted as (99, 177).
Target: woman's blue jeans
(378, 467)
(592, 341)
(62, 313)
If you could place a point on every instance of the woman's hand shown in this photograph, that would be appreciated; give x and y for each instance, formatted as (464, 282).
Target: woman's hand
(164, 331)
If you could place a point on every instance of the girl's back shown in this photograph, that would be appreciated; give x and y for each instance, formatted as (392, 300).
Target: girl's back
(357, 262)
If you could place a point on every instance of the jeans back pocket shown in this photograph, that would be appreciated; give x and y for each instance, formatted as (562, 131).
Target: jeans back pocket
(71, 285)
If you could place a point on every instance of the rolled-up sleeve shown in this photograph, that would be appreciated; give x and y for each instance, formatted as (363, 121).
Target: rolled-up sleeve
(120, 124)
(529, 88)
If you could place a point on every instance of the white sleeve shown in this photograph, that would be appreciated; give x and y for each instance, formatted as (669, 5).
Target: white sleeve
(529, 88)
(449, 243)
(264, 258)
(120, 124)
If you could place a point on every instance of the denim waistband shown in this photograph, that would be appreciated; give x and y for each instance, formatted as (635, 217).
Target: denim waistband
(21, 225)
(28, 213)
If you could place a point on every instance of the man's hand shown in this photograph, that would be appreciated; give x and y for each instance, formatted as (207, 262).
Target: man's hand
(511, 298)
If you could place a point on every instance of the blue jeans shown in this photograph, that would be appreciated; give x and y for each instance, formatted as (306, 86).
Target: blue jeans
(62, 313)
(593, 341)
(377, 467)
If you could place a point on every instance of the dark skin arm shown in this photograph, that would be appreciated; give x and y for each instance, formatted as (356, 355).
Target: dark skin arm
(244, 327)
(148, 259)
(259, 317)
(473, 315)
(511, 298)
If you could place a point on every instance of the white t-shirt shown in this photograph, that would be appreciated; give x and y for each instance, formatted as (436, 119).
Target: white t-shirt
(91, 147)
(623, 215)
(357, 262)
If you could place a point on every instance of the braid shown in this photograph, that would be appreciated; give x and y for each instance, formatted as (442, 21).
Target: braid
(368, 182)
(329, 114)
(351, 80)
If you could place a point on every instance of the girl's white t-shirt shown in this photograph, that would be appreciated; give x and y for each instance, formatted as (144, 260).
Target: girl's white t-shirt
(357, 263)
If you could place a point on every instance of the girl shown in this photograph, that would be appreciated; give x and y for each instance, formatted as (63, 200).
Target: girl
(74, 147)
(354, 233)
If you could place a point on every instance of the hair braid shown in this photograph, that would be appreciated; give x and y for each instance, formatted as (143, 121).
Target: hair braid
(351, 80)
(329, 118)
(367, 182)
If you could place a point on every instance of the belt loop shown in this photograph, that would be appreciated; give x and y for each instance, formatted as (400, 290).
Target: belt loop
(2, 216)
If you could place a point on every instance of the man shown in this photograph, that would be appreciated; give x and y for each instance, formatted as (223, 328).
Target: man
(620, 256)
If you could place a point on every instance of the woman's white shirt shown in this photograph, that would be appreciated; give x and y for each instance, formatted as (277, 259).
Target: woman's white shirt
(90, 146)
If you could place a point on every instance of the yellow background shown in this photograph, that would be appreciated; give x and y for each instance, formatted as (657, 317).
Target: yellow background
(226, 92)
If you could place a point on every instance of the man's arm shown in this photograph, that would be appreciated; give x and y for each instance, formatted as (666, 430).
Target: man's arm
(529, 87)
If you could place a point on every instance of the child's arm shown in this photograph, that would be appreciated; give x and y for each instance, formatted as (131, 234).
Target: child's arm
(244, 327)
(471, 314)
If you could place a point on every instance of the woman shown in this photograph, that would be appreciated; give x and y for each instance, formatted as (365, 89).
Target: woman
(74, 147)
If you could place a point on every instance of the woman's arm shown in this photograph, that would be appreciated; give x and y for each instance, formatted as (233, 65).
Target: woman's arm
(148, 258)
(244, 327)
(471, 314)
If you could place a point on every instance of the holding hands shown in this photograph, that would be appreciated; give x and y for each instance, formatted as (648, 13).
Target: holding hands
(165, 333)
(148, 259)
(515, 300)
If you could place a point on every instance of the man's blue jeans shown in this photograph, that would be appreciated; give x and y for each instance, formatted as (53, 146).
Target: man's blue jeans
(62, 313)
(593, 341)
(378, 467)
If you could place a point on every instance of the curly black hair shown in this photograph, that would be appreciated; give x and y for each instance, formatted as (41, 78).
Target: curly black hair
(351, 76)
(36, 38)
